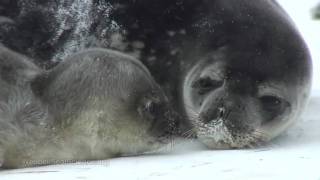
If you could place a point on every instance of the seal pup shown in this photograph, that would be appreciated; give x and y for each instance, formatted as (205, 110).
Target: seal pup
(100, 104)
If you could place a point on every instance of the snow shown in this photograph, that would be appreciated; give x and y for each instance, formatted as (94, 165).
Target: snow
(300, 12)
(294, 156)
(78, 12)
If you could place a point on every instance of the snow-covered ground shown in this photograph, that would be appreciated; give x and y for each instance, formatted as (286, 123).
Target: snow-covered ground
(294, 156)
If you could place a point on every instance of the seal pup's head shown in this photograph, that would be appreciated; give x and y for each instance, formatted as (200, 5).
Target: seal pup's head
(109, 100)
(254, 84)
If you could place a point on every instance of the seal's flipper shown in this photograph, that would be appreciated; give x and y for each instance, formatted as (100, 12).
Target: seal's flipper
(24, 120)
(16, 69)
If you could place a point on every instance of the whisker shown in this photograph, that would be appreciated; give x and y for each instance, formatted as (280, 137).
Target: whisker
(262, 138)
(188, 134)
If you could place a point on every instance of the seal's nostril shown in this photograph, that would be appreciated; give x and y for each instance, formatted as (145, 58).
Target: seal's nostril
(221, 112)
(214, 115)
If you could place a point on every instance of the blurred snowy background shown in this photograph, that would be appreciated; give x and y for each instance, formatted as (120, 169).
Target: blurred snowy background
(294, 156)
(301, 13)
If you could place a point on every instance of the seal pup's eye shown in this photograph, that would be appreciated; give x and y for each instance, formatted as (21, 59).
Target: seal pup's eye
(272, 106)
(206, 84)
(150, 109)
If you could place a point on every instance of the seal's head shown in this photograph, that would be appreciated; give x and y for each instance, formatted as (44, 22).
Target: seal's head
(115, 95)
(155, 108)
(255, 85)
(233, 105)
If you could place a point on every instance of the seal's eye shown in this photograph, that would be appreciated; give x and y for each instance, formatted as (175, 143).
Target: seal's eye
(272, 106)
(151, 107)
(206, 84)
(151, 110)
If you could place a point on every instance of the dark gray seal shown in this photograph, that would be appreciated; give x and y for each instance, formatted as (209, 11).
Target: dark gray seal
(238, 70)
(95, 105)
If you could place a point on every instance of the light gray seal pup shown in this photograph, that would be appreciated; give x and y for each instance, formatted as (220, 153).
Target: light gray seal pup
(95, 105)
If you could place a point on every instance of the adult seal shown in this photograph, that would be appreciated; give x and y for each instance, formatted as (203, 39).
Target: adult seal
(239, 71)
(97, 104)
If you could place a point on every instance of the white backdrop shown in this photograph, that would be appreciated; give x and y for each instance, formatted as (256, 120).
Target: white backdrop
(300, 11)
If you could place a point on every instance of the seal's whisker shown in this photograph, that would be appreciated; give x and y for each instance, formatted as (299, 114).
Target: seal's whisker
(188, 134)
